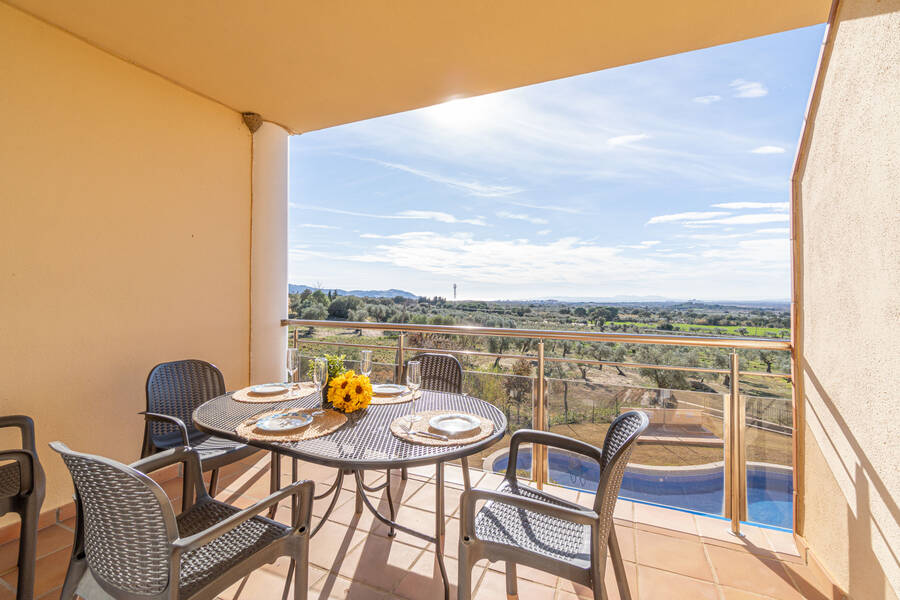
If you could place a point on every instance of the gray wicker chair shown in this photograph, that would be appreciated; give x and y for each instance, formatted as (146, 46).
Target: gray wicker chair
(522, 525)
(22, 492)
(129, 543)
(440, 372)
(174, 390)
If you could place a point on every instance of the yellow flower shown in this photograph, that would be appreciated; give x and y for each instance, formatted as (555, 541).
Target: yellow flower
(349, 392)
(361, 390)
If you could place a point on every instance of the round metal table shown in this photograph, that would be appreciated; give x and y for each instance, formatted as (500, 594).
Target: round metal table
(363, 443)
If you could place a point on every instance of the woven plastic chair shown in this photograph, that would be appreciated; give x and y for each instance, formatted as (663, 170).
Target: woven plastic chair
(129, 543)
(440, 372)
(522, 525)
(22, 492)
(174, 390)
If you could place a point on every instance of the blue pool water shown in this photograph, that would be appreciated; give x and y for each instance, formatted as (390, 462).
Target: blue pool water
(769, 493)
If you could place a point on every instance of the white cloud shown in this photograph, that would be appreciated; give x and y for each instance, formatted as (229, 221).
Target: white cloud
(743, 205)
(503, 214)
(315, 226)
(685, 216)
(430, 215)
(781, 230)
(441, 217)
(474, 188)
(742, 220)
(767, 150)
(621, 140)
(643, 245)
(544, 232)
(707, 99)
(748, 89)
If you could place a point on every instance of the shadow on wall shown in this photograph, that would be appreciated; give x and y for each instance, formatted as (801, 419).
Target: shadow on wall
(867, 578)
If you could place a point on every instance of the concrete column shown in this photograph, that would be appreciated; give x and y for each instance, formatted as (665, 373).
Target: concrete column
(268, 254)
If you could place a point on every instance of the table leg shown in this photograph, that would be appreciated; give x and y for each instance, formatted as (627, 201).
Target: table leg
(467, 482)
(274, 480)
(294, 477)
(440, 525)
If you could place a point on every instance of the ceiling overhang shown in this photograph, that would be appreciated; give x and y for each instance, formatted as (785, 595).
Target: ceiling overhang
(310, 65)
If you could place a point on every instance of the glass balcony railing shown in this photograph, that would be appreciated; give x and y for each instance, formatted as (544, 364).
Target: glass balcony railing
(720, 438)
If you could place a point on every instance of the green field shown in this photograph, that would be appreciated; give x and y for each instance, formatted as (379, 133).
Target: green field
(767, 332)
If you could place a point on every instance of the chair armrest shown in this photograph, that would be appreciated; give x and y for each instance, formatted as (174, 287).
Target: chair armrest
(548, 439)
(25, 425)
(26, 460)
(193, 471)
(182, 428)
(303, 489)
(470, 497)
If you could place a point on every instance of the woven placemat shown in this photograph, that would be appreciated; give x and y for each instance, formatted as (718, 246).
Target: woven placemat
(398, 399)
(323, 424)
(298, 390)
(486, 429)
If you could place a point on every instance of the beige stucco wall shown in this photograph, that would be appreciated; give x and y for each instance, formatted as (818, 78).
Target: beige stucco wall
(124, 239)
(849, 295)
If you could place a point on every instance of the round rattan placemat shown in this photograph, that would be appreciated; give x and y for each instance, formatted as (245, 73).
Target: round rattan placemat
(298, 390)
(323, 424)
(486, 429)
(398, 399)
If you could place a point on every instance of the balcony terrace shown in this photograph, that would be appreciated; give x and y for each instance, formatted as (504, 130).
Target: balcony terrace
(668, 554)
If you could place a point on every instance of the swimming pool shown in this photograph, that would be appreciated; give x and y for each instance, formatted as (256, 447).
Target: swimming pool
(700, 489)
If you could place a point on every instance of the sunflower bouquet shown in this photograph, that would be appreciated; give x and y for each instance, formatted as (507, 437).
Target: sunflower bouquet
(349, 392)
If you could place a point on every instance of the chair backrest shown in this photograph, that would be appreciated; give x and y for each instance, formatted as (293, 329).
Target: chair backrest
(128, 524)
(617, 448)
(440, 373)
(177, 388)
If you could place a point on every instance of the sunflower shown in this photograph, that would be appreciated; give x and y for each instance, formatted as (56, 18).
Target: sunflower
(361, 391)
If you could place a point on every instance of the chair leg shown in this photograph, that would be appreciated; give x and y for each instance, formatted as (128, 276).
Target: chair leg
(213, 482)
(464, 574)
(27, 551)
(403, 474)
(77, 569)
(274, 479)
(512, 589)
(618, 566)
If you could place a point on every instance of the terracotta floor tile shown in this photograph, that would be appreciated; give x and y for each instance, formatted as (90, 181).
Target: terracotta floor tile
(379, 562)
(563, 493)
(259, 584)
(655, 585)
(49, 540)
(654, 518)
(424, 498)
(782, 542)
(718, 532)
(812, 583)
(673, 554)
(575, 590)
(6, 593)
(746, 571)
(332, 543)
(50, 572)
(418, 520)
(528, 573)
(424, 581)
(335, 587)
(493, 587)
(729, 593)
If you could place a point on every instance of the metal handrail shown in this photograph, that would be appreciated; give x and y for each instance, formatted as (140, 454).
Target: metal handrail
(742, 343)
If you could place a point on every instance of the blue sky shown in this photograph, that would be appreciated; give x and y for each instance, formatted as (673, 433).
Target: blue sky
(669, 177)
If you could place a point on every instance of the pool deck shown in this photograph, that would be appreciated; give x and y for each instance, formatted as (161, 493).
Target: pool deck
(670, 554)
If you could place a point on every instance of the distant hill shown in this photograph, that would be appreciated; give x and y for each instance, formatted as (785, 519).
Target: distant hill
(297, 289)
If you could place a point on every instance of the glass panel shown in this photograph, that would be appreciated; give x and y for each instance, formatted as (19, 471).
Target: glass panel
(678, 462)
(768, 437)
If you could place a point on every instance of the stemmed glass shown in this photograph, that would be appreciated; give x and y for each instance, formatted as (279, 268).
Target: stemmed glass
(293, 365)
(320, 375)
(414, 382)
(365, 362)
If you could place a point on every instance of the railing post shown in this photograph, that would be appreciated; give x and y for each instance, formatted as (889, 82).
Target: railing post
(296, 337)
(539, 418)
(735, 452)
(398, 371)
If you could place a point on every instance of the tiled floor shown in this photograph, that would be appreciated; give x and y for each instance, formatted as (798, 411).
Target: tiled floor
(669, 555)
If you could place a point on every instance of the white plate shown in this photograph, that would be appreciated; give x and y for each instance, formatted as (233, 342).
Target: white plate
(388, 389)
(284, 423)
(456, 424)
(269, 389)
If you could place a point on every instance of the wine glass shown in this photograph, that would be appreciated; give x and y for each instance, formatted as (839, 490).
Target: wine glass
(293, 364)
(320, 373)
(414, 382)
(365, 362)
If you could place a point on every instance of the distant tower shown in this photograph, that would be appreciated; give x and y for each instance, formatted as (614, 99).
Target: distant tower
(454, 291)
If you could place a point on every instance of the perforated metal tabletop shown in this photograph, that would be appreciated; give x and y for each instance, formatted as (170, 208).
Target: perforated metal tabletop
(365, 441)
